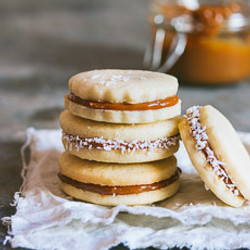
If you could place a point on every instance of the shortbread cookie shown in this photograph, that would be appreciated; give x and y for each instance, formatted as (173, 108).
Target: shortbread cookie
(114, 184)
(217, 154)
(123, 96)
(121, 143)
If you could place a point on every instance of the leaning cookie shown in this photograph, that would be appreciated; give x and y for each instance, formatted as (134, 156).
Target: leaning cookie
(114, 184)
(123, 96)
(123, 143)
(217, 154)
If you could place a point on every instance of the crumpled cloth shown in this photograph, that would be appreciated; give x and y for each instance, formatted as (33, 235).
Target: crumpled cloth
(46, 218)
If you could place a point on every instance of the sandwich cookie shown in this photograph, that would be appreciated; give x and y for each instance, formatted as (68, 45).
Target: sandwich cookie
(114, 184)
(217, 154)
(123, 96)
(120, 143)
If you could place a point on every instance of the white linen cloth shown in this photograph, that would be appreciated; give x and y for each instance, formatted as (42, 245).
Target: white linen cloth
(46, 218)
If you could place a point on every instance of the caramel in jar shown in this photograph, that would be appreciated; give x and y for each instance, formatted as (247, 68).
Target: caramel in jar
(217, 49)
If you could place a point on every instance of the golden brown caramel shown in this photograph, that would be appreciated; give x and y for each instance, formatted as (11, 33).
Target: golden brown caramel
(213, 60)
(158, 104)
(120, 190)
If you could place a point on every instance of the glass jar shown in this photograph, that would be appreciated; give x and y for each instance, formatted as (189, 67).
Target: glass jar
(200, 42)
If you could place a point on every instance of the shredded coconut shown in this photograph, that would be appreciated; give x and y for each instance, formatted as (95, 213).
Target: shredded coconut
(199, 134)
(110, 80)
(125, 147)
(113, 79)
(95, 76)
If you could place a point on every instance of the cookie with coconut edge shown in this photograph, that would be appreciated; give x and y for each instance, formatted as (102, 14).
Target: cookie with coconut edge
(114, 184)
(123, 96)
(121, 143)
(217, 154)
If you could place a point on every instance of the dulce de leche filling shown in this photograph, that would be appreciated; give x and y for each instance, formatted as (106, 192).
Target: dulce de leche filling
(120, 190)
(158, 104)
(201, 139)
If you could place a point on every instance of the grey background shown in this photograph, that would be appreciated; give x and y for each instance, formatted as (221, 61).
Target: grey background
(43, 43)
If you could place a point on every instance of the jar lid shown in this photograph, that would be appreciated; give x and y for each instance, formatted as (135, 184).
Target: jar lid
(194, 16)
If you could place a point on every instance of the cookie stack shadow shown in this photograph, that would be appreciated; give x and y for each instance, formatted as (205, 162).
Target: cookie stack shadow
(120, 132)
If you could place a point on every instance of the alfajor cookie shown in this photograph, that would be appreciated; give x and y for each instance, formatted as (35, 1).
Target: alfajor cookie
(123, 143)
(114, 184)
(217, 154)
(123, 96)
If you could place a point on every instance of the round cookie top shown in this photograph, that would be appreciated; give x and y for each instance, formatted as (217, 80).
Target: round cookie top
(123, 86)
(113, 174)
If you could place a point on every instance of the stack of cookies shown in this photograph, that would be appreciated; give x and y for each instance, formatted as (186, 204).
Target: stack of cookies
(120, 131)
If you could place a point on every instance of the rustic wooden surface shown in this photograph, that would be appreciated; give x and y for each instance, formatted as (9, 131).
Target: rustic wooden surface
(43, 43)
